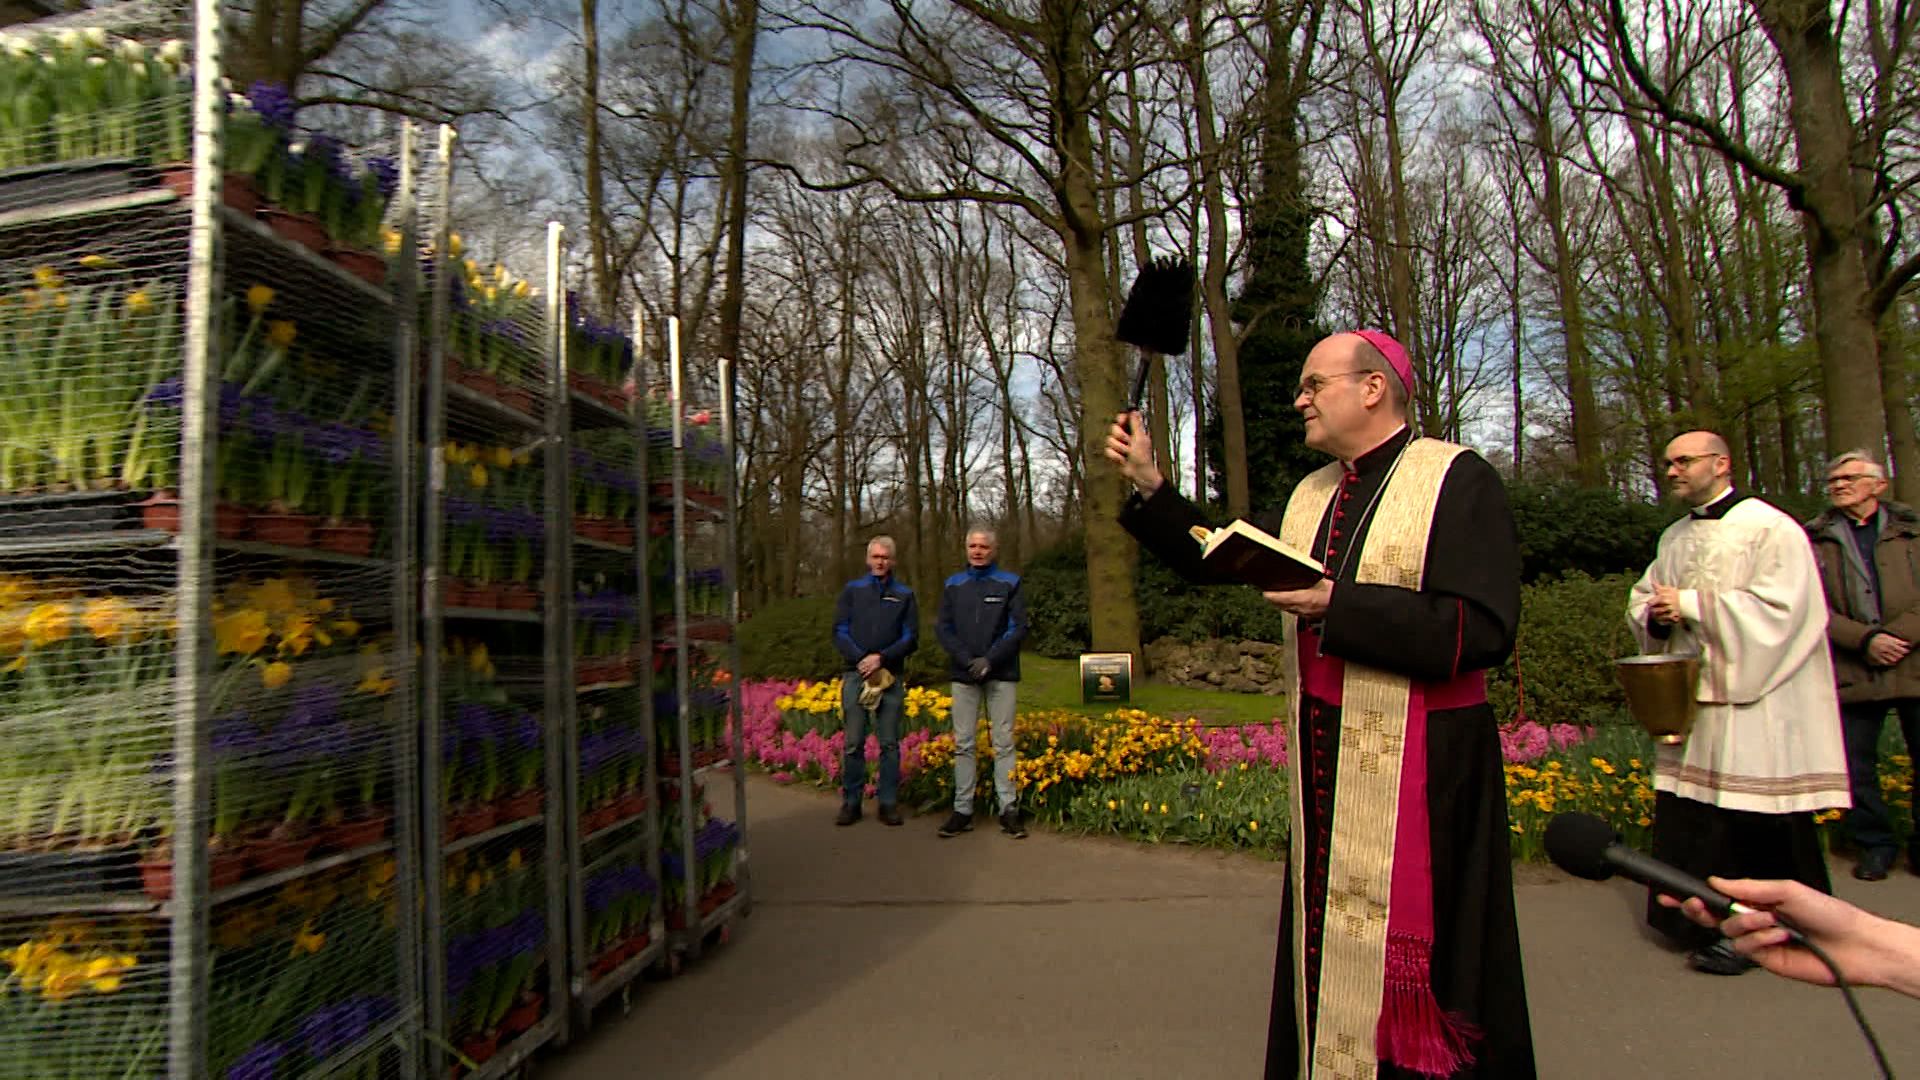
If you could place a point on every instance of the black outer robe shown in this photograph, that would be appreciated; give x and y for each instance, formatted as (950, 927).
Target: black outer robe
(1464, 619)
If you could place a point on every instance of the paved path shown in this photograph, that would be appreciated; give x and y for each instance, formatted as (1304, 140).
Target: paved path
(875, 951)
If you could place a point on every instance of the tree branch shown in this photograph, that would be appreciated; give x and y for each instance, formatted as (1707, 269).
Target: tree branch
(333, 35)
(1790, 182)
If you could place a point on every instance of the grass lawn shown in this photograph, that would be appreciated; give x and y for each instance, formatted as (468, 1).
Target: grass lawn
(1055, 684)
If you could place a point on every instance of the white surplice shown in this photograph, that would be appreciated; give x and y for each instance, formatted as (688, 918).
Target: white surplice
(1767, 734)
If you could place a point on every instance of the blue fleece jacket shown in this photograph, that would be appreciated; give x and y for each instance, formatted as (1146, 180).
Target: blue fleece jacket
(876, 615)
(983, 613)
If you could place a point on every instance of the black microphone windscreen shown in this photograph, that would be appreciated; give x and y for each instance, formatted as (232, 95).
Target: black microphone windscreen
(1577, 843)
(1158, 313)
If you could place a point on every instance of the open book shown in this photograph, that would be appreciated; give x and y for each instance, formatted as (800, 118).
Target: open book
(1248, 553)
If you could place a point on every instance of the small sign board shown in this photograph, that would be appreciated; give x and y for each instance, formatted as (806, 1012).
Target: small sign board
(1106, 677)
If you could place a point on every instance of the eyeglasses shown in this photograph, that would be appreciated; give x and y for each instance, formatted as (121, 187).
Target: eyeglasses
(1311, 386)
(1686, 461)
(1843, 481)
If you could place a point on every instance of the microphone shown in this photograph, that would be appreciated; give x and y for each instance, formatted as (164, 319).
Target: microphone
(1587, 847)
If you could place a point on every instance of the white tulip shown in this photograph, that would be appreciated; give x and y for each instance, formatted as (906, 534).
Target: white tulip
(66, 37)
(95, 36)
(173, 52)
(132, 50)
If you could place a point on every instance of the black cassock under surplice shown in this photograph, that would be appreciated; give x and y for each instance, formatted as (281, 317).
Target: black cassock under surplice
(1463, 619)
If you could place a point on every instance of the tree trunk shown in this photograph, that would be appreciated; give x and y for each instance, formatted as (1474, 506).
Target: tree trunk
(603, 288)
(1896, 392)
(1113, 614)
(1213, 277)
(1587, 464)
(1817, 109)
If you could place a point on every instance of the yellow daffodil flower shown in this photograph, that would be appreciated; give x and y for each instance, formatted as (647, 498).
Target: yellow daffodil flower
(281, 332)
(259, 298)
(138, 302)
(275, 675)
(48, 623)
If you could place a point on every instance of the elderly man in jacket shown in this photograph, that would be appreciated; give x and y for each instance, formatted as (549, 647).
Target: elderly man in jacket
(1869, 553)
(983, 619)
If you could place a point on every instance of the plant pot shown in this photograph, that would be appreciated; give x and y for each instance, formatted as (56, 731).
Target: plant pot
(479, 382)
(483, 594)
(69, 512)
(161, 511)
(480, 1048)
(356, 833)
(620, 534)
(285, 530)
(518, 596)
(230, 522)
(631, 804)
(303, 229)
(236, 191)
(226, 866)
(364, 265)
(523, 1016)
(345, 537)
(453, 593)
(111, 868)
(521, 806)
(517, 398)
(271, 854)
(469, 821)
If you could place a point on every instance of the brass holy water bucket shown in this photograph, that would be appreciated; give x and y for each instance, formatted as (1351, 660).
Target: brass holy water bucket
(1661, 693)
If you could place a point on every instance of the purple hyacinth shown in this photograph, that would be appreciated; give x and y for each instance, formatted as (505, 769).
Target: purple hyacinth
(260, 1062)
(273, 104)
(166, 395)
(385, 174)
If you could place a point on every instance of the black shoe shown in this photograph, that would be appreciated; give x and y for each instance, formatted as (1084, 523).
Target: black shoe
(890, 815)
(1719, 959)
(1874, 864)
(1011, 825)
(957, 824)
(849, 813)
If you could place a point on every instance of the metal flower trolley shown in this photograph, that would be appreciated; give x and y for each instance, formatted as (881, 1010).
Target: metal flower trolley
(692, 559)
(616, 923)
(493, 596)
(206, 749)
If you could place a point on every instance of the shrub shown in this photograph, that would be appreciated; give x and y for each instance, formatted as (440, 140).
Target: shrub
(790, 639)
(793, 639)
(1056, 587)
(1571, 630)
(1565, 529)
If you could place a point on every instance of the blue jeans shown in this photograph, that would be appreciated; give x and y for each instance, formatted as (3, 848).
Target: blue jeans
(886, 726)
(998, 697)
(1870, 823)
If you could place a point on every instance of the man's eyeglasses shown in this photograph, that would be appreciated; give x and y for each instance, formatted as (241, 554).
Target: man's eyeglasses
(1843, 481)
(1686, 461)
(1311, 386)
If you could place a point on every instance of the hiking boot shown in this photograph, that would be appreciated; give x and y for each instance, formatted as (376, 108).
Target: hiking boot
(1011, 825)
(849, 813)
(1874, 865)
(1719, 959)
(890, 815)
(956, 824)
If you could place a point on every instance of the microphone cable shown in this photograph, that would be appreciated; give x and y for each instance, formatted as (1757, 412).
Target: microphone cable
(1853, 1004)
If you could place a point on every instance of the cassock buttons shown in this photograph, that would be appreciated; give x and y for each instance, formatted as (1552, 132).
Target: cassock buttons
(1339, 515)
(1336, 534)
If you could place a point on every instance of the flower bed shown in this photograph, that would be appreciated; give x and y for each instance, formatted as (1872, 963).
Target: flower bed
(1134, 774)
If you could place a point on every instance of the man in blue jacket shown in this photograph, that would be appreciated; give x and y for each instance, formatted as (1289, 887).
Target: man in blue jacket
(983, 618)
(875, 626)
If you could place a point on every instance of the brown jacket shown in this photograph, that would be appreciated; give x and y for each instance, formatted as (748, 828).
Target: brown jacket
(1851, 608)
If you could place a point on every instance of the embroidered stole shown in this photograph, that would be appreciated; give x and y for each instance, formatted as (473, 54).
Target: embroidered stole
(1363, 974)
